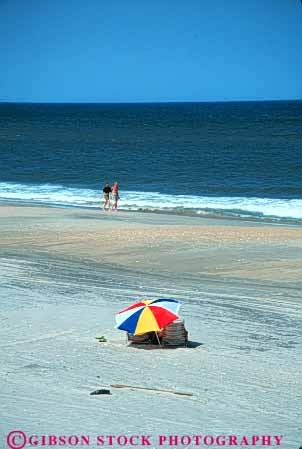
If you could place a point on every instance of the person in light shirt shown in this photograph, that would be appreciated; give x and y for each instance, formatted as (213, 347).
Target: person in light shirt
(114, 195)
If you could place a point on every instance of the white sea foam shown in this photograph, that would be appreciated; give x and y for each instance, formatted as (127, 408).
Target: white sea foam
(132, 200)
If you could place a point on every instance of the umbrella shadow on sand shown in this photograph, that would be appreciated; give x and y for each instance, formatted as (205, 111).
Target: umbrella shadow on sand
(148, 346)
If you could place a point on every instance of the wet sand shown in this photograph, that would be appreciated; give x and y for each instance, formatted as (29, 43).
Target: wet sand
(156, 243)
(65, 272)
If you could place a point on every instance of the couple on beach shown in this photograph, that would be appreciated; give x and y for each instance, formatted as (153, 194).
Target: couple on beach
(110, 194)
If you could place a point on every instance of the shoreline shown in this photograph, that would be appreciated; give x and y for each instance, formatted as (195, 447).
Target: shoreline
(290, 222)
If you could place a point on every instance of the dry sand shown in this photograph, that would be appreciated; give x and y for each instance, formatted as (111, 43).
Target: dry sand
(66, 272)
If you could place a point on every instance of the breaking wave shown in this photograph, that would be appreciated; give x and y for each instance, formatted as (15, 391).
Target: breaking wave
(245, 207)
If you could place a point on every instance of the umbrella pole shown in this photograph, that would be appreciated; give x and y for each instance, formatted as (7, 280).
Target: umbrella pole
(159, 343)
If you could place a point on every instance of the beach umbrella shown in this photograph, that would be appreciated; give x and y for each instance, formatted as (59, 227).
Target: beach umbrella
(147, 316)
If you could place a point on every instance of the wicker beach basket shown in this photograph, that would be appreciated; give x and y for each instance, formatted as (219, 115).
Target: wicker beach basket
(175, 334)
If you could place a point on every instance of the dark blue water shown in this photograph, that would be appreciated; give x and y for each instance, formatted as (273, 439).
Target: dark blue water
(225, 157)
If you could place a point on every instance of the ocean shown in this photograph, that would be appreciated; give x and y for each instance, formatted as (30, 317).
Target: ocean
(240, 159)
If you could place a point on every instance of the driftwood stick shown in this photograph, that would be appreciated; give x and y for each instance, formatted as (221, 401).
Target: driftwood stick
(180, 393)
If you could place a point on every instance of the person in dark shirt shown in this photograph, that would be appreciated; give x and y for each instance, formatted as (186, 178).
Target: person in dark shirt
(106, 192)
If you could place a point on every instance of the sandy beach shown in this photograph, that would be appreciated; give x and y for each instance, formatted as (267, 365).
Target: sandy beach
(66, 272)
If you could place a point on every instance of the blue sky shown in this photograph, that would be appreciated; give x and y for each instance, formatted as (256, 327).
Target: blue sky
(159, 50)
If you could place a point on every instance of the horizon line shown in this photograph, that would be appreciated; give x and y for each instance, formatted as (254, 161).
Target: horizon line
(152, 102)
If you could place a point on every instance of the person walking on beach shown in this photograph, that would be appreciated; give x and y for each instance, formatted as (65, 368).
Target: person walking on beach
(106, 192)
(114, 195)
